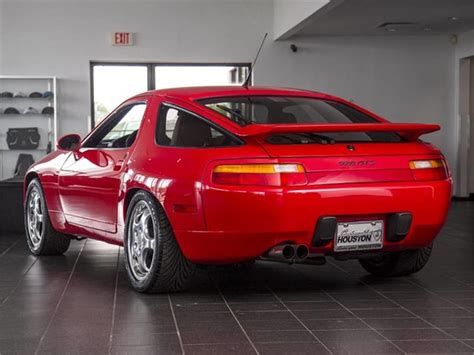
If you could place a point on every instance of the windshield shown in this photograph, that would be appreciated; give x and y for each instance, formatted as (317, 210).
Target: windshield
(246, 110)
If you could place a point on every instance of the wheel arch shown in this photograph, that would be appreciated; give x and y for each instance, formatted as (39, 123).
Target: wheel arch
(28, 178)
(131, 192)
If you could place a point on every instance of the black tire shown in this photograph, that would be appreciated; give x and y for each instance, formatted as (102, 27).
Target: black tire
(397, 263)
(50, 242)
(169, 270)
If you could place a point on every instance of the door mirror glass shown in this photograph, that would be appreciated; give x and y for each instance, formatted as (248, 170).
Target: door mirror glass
(69, 142)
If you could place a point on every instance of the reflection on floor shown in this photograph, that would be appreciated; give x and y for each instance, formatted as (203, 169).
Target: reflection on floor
(81, 303)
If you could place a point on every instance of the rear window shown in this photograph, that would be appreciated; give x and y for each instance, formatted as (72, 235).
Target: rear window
(245, 110)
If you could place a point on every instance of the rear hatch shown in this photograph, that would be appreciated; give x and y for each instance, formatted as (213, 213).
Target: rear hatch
(341, 154)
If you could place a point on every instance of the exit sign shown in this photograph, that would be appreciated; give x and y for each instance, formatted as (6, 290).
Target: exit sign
(122, 39)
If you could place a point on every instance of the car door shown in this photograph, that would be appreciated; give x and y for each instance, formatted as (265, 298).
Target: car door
(90, 179)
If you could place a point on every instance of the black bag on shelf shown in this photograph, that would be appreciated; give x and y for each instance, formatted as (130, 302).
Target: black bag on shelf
(23, 138)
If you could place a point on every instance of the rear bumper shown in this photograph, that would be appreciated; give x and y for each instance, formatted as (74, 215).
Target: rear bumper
(244, 224)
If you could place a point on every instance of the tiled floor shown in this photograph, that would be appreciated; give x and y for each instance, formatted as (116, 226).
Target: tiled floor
(81, 303)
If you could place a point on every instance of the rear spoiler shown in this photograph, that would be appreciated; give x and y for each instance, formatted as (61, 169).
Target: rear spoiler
(410, 131)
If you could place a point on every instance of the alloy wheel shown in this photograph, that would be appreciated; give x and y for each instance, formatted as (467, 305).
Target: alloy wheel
(141, 240)
(35, 218)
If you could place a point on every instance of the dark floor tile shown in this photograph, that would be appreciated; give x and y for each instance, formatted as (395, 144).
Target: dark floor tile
(414, 334)
(279, 316)
(433, 346)
(296, 296)
(291, 348)
(121, 328)
(158, 349)
(251, 297)
(452, 322)
(398, 323)
(219, 349)
(18, 345)
(280, 336)
(313, 306)
(354, 336)
(441, 312)
(206, 296)
(208, 324)
(432, 303)
(290, 324)
(61, 344)
(144, 337)
(469, 343)
(382, 313)
(185, 317)
(204, 336)
(369, 304)
(461, 333)
(200, 307)
(335, 324)
(257, 306)
(324, 314)
(442, 293)
(372, 347)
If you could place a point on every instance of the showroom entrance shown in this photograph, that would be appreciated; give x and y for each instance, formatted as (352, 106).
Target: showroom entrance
(112, 83)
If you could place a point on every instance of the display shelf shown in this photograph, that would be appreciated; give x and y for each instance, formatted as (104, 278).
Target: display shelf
(25, 98)
(47, 124)
(21, 150)
(26, 115)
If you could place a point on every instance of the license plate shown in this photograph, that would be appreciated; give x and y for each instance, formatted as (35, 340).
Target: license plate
(365, 235)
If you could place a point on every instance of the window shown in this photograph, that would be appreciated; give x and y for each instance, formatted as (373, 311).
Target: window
(179, 128)
(246, 110)
(112, 83)
(120, 130)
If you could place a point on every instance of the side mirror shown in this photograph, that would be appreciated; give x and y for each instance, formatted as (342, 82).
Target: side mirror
(70, 142)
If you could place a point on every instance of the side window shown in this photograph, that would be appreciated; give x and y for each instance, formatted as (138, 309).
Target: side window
(178, 128)
(120, 130)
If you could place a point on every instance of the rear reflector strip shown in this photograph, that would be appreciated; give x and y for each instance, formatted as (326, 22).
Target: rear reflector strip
(260, 174)
(259, 168)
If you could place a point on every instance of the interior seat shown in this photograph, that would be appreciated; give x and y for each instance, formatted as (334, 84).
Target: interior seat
(190, 131)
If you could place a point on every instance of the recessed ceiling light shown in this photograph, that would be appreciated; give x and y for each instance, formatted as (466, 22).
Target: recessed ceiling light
(390, 29)
(454, 18)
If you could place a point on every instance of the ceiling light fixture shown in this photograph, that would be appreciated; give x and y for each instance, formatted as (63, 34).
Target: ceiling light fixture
(454, 18)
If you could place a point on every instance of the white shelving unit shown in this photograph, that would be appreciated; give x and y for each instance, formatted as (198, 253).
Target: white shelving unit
(47, 124)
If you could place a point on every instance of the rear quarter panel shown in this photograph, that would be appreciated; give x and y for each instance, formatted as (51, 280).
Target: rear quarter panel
(175, 174)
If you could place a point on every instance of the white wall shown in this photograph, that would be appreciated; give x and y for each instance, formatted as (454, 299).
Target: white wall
(288, 14)
(401, 78)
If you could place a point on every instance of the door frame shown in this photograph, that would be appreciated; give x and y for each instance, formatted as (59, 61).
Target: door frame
(465, 121)
(151, 73)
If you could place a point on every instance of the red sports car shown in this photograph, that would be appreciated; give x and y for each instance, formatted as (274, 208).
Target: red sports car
(216, 175)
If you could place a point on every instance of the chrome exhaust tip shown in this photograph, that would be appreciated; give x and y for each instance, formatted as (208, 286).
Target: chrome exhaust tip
(284, 252)
(301, 252)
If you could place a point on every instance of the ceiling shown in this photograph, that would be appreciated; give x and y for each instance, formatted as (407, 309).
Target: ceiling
(391, 17)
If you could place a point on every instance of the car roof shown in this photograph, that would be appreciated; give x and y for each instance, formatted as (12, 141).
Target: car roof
(203, 92)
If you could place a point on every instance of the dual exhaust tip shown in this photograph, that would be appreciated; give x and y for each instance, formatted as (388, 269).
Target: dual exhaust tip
(288, 252)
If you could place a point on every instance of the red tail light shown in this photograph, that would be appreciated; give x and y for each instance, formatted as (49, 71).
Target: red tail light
(429, 169)
(260, 174)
